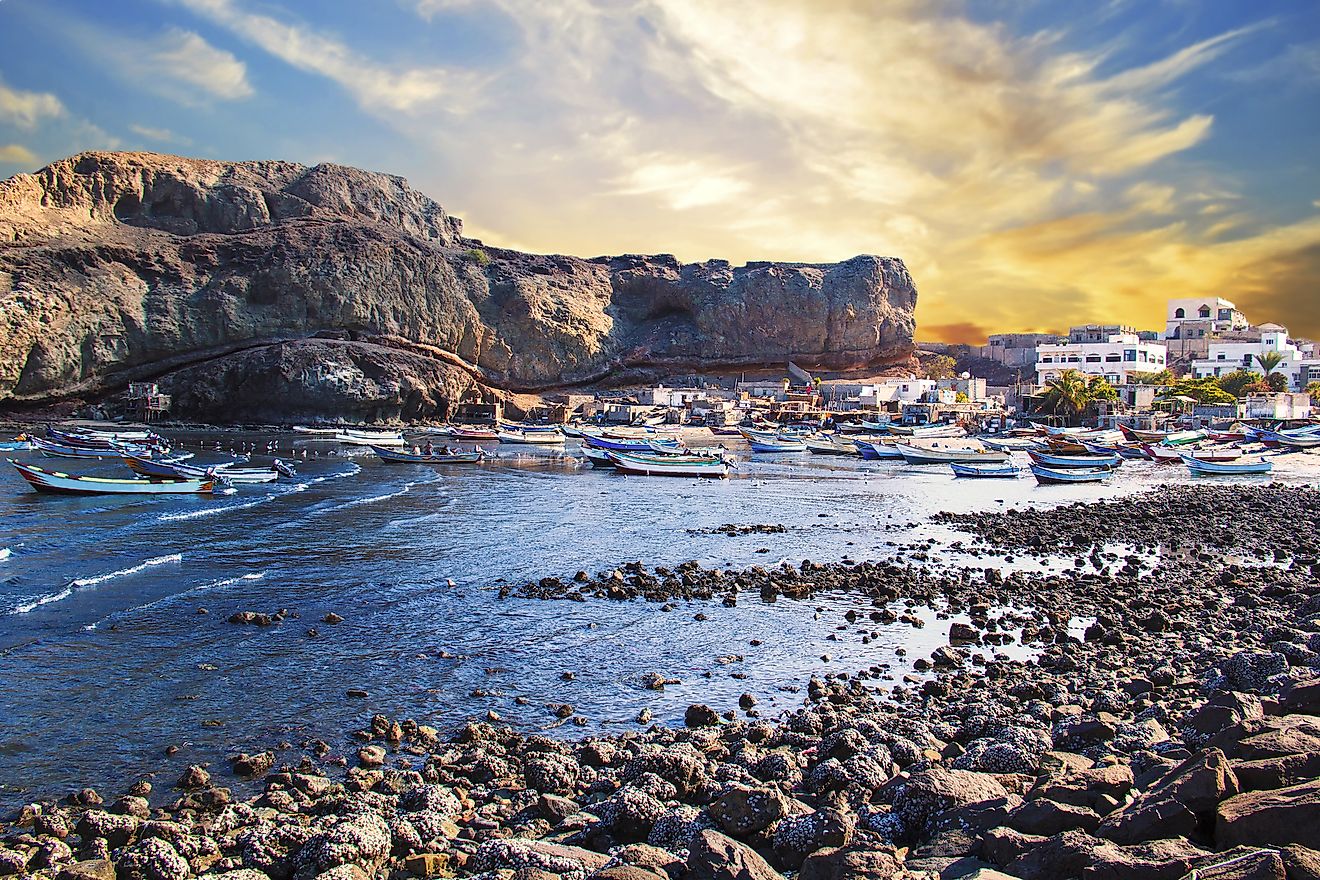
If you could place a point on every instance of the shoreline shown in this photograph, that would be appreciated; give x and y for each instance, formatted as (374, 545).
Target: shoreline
(1074, 759)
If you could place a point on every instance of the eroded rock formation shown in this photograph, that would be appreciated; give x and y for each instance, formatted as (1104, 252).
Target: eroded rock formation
(124, 266)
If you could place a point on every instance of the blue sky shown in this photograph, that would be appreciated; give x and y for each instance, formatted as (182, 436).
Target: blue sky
(1035, 163)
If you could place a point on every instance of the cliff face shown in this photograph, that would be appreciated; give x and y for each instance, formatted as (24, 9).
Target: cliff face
(121, 266)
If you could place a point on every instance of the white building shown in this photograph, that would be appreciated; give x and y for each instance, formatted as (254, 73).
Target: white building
(1193, 322)
(1226, 356)
(676, 397)
(1115, 359)
(895, 390)
(1282, 407)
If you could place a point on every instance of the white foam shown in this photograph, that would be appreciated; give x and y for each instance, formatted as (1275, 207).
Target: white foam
(102, 578)
(372, 499)
(213, 511)
(42, 600)
(5, 553)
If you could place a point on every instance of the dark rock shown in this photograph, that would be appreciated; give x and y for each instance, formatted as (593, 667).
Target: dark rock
(852, 863)
(1280, 817)
(716, 857)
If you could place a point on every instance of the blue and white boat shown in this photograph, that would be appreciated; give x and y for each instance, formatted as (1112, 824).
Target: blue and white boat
(1199, 468)
(873, 450)
(1111, 460)
(1045, 475)
(993, 471)
(780, 444)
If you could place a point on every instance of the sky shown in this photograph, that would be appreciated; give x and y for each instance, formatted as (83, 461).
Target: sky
(1036, 163)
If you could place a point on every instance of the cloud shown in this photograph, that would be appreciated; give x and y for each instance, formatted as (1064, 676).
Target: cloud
(377, 87)
(17, 154)
(160, 135)
(185, 64)
(963, 332)
(27, 109)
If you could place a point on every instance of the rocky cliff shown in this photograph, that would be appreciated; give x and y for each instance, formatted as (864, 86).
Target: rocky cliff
(274, 288)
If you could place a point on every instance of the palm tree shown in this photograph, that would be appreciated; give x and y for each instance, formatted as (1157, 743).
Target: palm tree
(1070, 392)
(1269, 361)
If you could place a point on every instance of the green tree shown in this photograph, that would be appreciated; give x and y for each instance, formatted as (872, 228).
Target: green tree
(961, 397)
(1314, 390)
(478, 256)
(1268, 361)
(1235, 383)
(940, 366)
(1205, 390)
(1163, 377)
(1276, 381)
(1071, 393)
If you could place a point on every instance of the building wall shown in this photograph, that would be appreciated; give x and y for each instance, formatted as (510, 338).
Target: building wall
(1116, 359)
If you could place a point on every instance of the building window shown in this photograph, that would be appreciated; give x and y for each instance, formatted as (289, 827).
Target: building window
(1093, 358)
(1225, 315)
(1222, 356)
(1113, 358)
(1180, 313)
(1130, 355)
(1205, 311)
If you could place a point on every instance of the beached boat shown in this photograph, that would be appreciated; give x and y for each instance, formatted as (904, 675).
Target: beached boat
(878, 450)
(1052, 460)
(534, 438)
(16, 445)
(1200, 468)
(316, 432)
(55, 482)
(1300, 441)
(830, 445)
(877, 427)
(1009, 444)
(1045, 475)
(1172, 455)
(1141, 436)
(778, 444)
(669, 465)
(599, 458)
(939, 431)
(1183, 438)
(992, 471)
(644, 445)
(91, 437)
(933, 455)
(520, 428)
(371, 438)
(394, 456)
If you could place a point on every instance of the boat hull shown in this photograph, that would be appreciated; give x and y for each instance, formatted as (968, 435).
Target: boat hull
(393, 456)
(56, 483)
(1005, 472)
(1201, 468)
(662, 466)
(1112, 460)
(1052, 476)
(918, 455)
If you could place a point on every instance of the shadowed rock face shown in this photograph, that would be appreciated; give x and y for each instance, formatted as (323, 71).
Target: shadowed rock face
(120, 266)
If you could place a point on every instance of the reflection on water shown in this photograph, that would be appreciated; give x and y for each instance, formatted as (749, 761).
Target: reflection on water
(107, 656)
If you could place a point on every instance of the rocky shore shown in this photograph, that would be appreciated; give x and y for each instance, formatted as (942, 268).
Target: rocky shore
(1175, 735)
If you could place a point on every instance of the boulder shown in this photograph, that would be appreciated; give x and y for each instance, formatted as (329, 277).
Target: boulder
(517, 854)
(1155, 860)
(1248, 864)
(852, 863)
(1182, 801)
(1279, 817)
(713, 856)
(1060, 856)
(930, 793)
(742, 810)
(1045, 817)
(1302, 697)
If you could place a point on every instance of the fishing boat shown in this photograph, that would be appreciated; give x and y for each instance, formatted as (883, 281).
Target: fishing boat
(472, 432)
(992, 471)
(90, 437)
(1009, 444)
(1199, 468)
(317, 432)
(394, 456)
(536, 438)
(51, 449)
(226, 472)
(931, 455)
(15, 445)
(877, 427)
(939, 431)
(1300, 441)
(878, 450)
(1112, 460)
(670, 466)
(1183, 438)
(1143, 436)
(1170, 455)
(778, 444)
(1126, 450)
(370, 438)
(599, 458)
(520, 428)
(575, 431)
(55, 482)
(1046, 476)
(830, 445)
(641, 445)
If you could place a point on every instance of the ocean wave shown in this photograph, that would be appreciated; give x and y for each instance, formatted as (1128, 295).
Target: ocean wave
(5, 553)
(80, 583)
(174, 597)
(213, 511)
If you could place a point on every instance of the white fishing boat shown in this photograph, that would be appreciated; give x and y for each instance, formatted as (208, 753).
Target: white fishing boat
(533, 438)
(317, 432)
(934, 455)
(670, 465)
(370, 438)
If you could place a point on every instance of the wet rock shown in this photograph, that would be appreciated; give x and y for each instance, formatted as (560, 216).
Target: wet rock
(796, 837)
(629, 814)
(525, 855)
(363, 841)
(244, 764)
(152, 859)
(742, 810)
(699, 715)
(930, 793)
(93, 869)
(194, 777)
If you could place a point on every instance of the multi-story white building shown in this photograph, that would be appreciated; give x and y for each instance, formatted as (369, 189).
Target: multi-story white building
(1226, 356)
(1193, 322)
(1116, 358)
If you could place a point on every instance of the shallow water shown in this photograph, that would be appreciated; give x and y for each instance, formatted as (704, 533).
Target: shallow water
(105, 659)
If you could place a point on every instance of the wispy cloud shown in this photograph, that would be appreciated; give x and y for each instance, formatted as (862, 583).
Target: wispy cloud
(376, 86)
(187, 65)
(16, 154)
(27, 109)
(160, 135)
